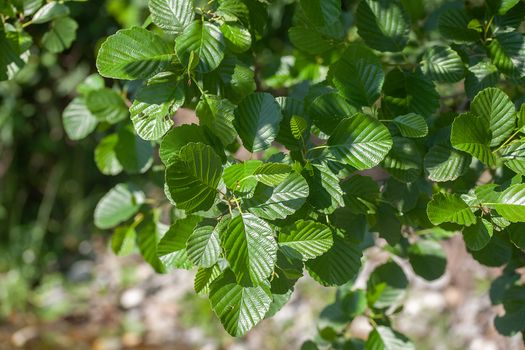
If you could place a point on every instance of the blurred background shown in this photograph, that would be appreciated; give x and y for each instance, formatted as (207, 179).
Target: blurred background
(62, 287)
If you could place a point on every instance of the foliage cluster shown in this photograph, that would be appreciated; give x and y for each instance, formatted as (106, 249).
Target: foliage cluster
(429, 93)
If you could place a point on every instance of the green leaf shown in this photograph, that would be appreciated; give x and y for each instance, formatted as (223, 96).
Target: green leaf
(154, 105)
(385, 338)
(446, 207)
(238, 307)
(361, 194)
(405, 160)
(134, 154)
(203, 245)
(514, 156)
(497, 109)
(193, 176)
(280, 201)
(118, 205)
(444, 163)
(78, 120)
(257, 120)
(360, 141)
(49, 12)
(107, 105)
(442, 64)
(507, 52)
(383, 24)
(204, 277)
(206, 41)
(471, 134)
(405, 92)
(427, 259)
(338, 265)
(454, 25)
(61, 35)
(217, 114)
(106, 157)
(10, 53)
(148, 235)
(501, 7)
(310, 40)
(179, 137)
(133, 53)
(171, 249)
(272, 174)
(386, 286)
(511, 203)
(411, 125)
(250, 248)
(517, 235)
(480, 76)
(358, 75)
(292, 108)
(477, 236)
(233, 80)
(239, 177)
(173, 16)
(305, 239)
(123, 240)
(298, 126)
(325, 193)
(328, 109)
(238, 39)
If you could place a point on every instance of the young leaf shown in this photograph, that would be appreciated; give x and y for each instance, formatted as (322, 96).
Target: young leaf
(239, 177)
(383, 24)
(206, 41)
(471, 134)
(411, 125)
(172, 15)
(305, 239)
(239, 307)
(133, 53)
(360, 141)
(257, 120)
(449, 208)
(250, 248)
(118, 205)
(193, 176)
(238, 39)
